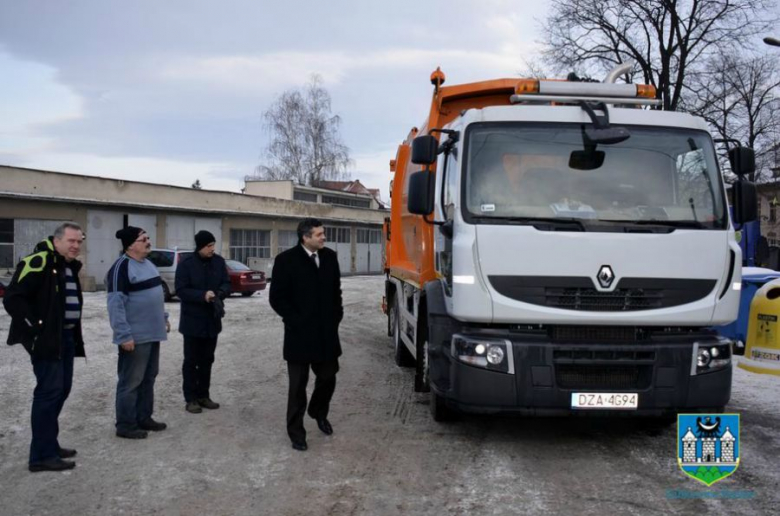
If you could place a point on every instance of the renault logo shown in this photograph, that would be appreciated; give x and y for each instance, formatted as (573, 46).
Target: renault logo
(605, 276)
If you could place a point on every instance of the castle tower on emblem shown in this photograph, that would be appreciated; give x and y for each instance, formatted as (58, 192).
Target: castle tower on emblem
(689, 446)
(727, 446)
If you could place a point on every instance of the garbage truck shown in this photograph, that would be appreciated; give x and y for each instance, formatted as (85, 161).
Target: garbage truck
(562, 247)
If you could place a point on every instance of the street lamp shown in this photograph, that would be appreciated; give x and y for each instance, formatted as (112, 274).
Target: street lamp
(772, 42)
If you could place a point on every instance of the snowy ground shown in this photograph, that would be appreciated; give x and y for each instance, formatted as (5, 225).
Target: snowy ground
(386, 457)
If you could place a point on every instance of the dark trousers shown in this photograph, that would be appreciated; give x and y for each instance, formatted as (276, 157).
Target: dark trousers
(324, 385)
(54, 381)
(136, 371)
(196, 370)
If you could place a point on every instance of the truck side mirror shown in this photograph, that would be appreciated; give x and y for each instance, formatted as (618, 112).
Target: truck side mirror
(421, 185)
(424, 150)
(743, 160)
(745, 201)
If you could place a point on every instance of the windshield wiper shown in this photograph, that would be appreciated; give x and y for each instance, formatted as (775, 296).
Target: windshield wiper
(690, 224)
(562, 222)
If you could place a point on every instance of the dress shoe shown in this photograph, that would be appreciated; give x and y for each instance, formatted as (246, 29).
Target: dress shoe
(300, 445)
(132, 434)
(66, 453)
(52, 465)
(324, 425)
(207, 403)
(152, 425)
(193, 407)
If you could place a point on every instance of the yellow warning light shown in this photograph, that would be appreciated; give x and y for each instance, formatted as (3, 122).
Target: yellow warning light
(645, 90)
(437, 77)
(527, 86)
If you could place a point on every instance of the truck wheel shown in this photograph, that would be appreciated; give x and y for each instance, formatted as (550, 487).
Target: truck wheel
(403, 358)
(166, 292)
(439, 410)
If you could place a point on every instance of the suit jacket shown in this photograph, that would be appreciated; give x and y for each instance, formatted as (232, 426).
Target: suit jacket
(309, 300)
(194, 277)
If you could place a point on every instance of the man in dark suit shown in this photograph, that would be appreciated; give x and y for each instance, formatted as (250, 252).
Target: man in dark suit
(306, 292)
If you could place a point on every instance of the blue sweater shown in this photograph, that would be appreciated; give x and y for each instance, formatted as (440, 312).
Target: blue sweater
(136, 305)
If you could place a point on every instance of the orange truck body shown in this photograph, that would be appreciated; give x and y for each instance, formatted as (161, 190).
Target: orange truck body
(409, 238)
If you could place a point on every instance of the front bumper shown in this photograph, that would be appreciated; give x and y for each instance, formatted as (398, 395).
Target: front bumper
(547, 372)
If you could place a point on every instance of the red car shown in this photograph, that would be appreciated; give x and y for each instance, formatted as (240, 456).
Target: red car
(2, 290)
(243, 279)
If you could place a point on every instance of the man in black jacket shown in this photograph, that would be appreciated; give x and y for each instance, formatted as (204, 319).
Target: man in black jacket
(202, 282)
(306, 292)
(44, 301)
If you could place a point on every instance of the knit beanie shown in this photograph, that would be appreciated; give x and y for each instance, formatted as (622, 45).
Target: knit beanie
(128, 235)
(202, 239)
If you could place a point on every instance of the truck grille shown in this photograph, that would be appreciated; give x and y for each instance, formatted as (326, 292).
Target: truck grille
(597, 334)
(606, 377)
(579, 293)
(592, 300)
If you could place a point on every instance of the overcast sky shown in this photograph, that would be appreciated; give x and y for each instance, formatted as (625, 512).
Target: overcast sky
(172, 91)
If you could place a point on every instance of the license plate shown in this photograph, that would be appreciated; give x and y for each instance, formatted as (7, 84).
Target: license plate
(605, 400)
(256, 277)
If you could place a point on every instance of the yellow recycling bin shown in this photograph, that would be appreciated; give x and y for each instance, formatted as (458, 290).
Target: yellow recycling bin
(762, 353)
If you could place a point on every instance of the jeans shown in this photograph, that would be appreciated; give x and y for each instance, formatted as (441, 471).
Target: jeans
(54, 381)
(324, 386)
(136, 371)
(196, 369)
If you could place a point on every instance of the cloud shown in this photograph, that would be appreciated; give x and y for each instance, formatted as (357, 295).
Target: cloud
(145, 87)
(31, 97)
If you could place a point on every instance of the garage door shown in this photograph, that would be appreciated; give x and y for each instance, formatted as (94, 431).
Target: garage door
(339, 239)
(369, 251)
(103, 248)
(28, 232)
(180, 231)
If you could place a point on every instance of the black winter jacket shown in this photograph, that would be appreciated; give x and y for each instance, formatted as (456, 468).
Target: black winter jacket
(35, 300)
(309, 300)
(194, 277)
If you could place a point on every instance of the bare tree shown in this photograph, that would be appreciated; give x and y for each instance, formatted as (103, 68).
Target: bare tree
(737, 97)
(305, 144)
(664, 37)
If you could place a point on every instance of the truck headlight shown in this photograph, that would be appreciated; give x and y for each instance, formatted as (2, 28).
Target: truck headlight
(495, 355)
(710, 356)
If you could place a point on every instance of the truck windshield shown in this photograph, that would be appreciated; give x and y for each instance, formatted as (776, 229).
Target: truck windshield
(665, 176)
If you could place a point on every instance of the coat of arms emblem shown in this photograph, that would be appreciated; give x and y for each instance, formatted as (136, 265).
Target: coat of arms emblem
(708, 445)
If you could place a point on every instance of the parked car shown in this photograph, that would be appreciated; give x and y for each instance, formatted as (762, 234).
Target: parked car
(2, 289)
(166, 261)
(244, 280)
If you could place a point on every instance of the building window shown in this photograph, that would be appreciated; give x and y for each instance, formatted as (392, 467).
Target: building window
(249, 243)
(772, 213)
(7, 243)
(337, 235)
(304, 196)
(771, 238)
(346, 201)
(369, 236)
(287, 239)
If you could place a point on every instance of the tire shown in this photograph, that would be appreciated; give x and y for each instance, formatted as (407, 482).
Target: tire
(166, 293)
(246, 294)
(403, 358)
